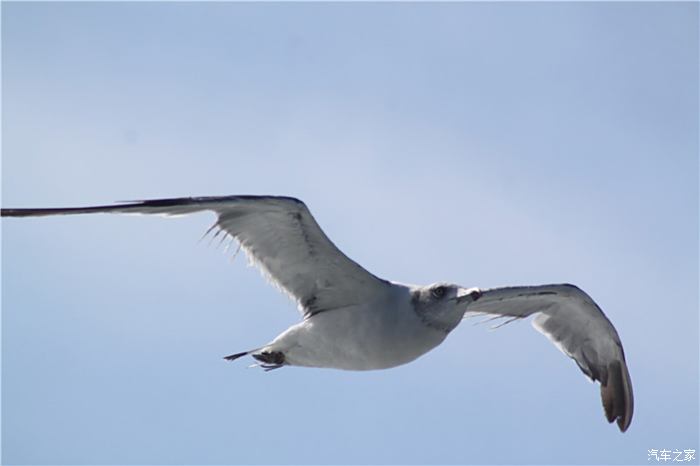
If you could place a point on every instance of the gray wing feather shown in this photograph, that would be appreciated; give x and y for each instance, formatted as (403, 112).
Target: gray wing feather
(279, 235)
(578, 327)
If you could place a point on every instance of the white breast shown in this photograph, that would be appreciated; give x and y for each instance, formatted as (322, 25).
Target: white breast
(366, 337)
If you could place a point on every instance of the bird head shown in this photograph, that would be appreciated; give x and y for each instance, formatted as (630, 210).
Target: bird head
(442, 305)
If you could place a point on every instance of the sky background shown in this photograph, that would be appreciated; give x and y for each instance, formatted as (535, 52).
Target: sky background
(484, 144)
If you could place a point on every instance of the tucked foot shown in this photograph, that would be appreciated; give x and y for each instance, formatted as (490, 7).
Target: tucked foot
(269, 367)
(270, 358)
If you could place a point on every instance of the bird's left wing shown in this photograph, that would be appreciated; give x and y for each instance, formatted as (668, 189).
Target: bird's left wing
(280, 236)
(577, 326)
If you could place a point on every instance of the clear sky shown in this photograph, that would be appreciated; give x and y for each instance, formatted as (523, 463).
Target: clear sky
(484, 144)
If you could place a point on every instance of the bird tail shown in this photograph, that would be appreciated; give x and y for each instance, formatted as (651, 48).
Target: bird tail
(233, 357)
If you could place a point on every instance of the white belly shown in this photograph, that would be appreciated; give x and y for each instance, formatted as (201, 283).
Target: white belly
(356, 339)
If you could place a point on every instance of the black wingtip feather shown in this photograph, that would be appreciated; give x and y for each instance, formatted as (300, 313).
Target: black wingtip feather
(617, 397)
(54, 211)
(124, 206)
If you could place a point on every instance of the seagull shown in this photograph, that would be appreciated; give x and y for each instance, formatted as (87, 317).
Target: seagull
(354, 320)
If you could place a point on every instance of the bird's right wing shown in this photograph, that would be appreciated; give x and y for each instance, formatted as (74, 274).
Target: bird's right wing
(577, 326)
(278, 234)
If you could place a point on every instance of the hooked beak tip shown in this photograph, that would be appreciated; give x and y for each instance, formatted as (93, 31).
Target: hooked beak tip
(470, 295)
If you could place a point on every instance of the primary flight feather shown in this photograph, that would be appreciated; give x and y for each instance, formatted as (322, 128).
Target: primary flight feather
(356, 321)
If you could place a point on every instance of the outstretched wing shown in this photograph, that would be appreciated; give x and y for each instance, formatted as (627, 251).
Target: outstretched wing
(279, 235)
(578, 327)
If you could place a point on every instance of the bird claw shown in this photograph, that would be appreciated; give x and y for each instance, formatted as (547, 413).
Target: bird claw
(270, 367)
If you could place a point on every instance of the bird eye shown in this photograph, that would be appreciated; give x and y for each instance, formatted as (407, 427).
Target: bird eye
(438, 292)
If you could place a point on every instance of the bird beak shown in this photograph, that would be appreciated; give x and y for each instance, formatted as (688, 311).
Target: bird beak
(468, 295)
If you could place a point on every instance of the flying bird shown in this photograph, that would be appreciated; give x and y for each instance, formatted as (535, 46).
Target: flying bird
(354, 320)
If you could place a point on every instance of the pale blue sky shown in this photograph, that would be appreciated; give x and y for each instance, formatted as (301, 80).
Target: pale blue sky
(484, 144)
